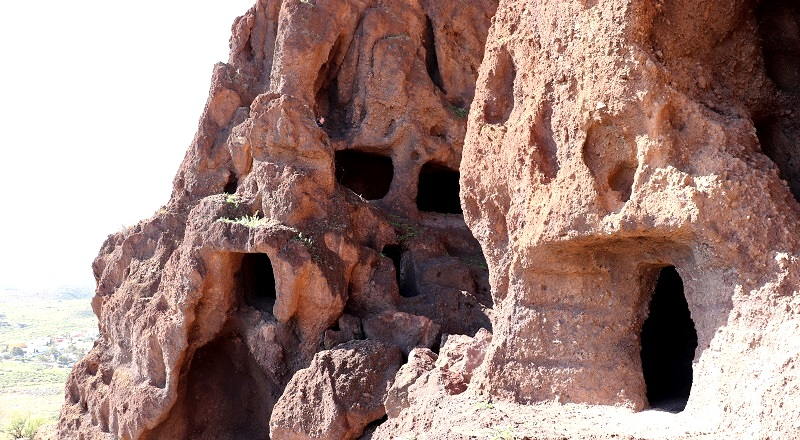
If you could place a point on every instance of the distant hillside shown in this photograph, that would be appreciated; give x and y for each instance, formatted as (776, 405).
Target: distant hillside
(49, 293)
(29, 314)
(43, 332)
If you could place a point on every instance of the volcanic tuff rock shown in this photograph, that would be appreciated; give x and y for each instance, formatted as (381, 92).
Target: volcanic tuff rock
(339, 393)
(627, 169)
(317, 204)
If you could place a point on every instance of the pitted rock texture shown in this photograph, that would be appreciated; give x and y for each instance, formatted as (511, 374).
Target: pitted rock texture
(338, 395)
(615, 152)
(299, 220)
(610, 140)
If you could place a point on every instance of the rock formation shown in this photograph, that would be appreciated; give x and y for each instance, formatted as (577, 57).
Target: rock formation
(627, 171)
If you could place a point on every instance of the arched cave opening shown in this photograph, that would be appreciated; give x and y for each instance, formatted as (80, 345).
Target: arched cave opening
(779, 28)
(405, 284)
(369, 429)
(438, 189)
(668, 342)
(775, 138)
(256, 281)
(331, 114)
(366, 174)
(231, 185)
(223, 395)
(431, 59)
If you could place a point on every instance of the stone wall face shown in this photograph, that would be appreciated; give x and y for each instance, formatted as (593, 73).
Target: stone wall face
(608, 139)
(314, 242)
(193, 344)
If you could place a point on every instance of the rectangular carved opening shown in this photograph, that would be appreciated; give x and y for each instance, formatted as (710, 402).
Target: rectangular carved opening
(438, 189)
(255, 282)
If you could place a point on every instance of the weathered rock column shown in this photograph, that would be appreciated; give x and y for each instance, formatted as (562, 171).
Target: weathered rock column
(608, 139)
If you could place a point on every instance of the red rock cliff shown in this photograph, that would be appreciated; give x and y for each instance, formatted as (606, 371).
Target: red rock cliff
(626, 172)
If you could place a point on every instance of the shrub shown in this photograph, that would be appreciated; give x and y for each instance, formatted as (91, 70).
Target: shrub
(23, 427)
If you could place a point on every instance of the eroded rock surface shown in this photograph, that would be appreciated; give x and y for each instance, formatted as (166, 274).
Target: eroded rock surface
(300, 219)
(608, 142)
(338, 395)
(628, 173)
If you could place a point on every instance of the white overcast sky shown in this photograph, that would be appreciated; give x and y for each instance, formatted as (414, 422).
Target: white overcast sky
(100, 100)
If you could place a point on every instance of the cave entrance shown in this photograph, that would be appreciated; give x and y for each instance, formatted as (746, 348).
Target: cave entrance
(438, 189)
(232, 185)
(405, 284)
(668, 342)
(779, 28)
(223, 395)
(775, 137)
(366, 174)
(256, 281)
(228, 394)
(431, 59)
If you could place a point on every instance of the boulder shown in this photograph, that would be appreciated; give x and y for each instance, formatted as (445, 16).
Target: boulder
(338, 395)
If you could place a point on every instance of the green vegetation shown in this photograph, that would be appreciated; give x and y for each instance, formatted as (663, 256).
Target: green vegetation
(484, 405)
(502, 434)
(232, 199)
(306, 240)
(461, 112)
(40, 403)
(41, 335)
(20, 427)
(475, 261)
(251, 221)
(18, 374)
(22, 320)
(404, 230)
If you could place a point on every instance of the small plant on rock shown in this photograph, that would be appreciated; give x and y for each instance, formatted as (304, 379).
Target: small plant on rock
(251, 221)
(305, 240)
(484, 405)
(503, 434)
(476, 261)
(460, 112)
(405, 230)
(232, 199)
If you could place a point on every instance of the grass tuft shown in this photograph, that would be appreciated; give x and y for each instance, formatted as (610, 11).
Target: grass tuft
(405, 230)
(251, 221)
(484, 405)
(460, 112)
(232, 199)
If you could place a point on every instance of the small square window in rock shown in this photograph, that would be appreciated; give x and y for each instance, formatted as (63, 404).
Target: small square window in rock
(366, 174)
(438, 189)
